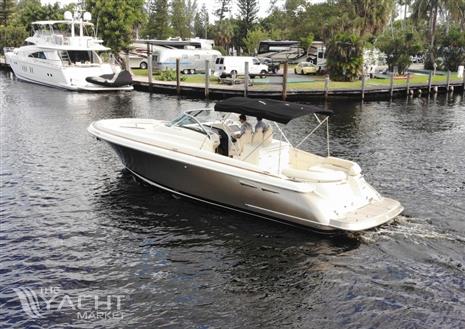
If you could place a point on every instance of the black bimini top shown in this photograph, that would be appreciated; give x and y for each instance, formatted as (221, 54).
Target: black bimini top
(270, 109)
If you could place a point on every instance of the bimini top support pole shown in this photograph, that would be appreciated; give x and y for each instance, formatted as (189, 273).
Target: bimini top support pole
(314, 129)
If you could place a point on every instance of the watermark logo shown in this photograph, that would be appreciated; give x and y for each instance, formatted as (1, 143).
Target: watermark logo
(29, 301)
(39, 303)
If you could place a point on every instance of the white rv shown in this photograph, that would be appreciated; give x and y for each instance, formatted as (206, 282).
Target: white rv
(190, 60)
(316, 53)
(235, 65)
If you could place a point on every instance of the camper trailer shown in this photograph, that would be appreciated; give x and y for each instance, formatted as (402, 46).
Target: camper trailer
(138, 53)
(191, 61)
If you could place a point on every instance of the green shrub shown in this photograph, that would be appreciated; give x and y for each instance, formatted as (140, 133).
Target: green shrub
(399, 43)
(170, 75)
(345, 57)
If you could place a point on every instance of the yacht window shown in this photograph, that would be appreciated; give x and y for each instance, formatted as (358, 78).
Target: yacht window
(83, 57)
(39, 54)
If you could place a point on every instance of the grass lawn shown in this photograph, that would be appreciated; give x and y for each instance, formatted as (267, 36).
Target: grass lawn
(194, 78)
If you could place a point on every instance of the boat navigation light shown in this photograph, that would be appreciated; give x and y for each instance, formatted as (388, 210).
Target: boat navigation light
(68, 16)
(87, 16)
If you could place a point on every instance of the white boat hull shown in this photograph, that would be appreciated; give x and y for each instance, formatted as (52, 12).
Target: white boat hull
(52, 75)
(229, 185)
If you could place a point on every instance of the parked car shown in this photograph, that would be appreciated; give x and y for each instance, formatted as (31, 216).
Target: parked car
(306, 68)
(273, 67)
(232, 66)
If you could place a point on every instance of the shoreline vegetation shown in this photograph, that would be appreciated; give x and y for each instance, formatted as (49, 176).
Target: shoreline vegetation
(429, 32)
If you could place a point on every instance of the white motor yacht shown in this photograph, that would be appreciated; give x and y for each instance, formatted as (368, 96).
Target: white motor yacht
(66, 54)
(197, 156)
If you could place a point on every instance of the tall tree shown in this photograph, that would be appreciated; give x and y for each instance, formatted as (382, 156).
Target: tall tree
(370, 16)
(201, 22)
(116, 20)
(428, 10)
(28, 11)
(179, 21)
(158, 25)
(191, 10)
(223, 9)
(248, 10)
(7, 7)
(223, 33)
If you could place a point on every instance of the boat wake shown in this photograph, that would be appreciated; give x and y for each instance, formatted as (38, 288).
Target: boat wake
(417, 230)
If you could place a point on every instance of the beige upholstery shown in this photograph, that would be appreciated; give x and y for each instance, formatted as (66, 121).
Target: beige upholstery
(268, 136)
(238, 146)
(257, 137)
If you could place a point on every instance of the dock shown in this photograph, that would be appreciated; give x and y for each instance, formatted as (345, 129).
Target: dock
(285, 91)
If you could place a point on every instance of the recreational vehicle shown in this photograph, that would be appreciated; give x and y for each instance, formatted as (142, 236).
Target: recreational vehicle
(233, 66)
(190, 60)
(281, 51)
(316, 54)
(138, 53)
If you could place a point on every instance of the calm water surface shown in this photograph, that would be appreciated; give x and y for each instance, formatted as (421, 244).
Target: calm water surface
(74, 223)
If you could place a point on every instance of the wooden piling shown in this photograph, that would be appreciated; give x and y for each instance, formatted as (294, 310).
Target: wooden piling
(363, 86)
(150, 71)
(285, 81)
(430, 80)
(326, 85)
(448, 80)
(408, 83)
(392, 84)
(126, 61)
(178, 77)
(149, 67)
(207, 78)
(246, 78)
(463, 82)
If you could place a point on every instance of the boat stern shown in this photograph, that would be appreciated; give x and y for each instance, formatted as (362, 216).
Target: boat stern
(373, 214)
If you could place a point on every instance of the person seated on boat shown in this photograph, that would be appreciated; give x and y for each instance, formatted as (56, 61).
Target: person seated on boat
(245, 127)
(263, 125)
(243, 136)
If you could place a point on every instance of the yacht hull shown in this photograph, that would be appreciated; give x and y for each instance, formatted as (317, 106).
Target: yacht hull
(241, 194)
(51, 75)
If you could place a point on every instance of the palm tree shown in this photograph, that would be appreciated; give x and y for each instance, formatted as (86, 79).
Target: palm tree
(224, 33)
(372, 15)
(456, 10)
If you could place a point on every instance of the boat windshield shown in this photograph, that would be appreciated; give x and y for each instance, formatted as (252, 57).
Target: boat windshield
(198, 120)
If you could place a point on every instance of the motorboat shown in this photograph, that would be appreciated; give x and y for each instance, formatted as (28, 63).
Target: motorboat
(66, 54)
(197, 155)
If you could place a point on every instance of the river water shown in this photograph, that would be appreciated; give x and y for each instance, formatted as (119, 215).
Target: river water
(76, 227)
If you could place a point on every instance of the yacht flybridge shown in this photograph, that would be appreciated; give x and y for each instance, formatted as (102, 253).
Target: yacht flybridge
(66, 54)
(197, 156)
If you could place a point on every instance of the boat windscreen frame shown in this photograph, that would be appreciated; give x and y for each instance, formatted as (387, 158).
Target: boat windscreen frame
(192, 114)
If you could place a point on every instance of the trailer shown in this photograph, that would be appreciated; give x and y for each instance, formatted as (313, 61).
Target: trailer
(191, 61)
